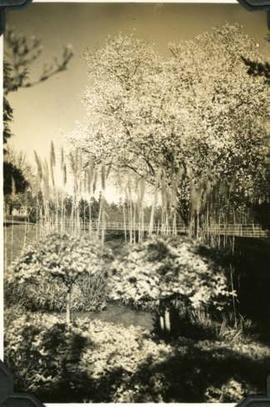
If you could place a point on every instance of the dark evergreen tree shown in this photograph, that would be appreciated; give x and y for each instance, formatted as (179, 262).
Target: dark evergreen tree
(14, 181)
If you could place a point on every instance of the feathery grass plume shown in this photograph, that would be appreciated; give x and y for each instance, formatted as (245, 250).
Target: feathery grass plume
(64, 174)
(124, 219)
(90, 174)
(137, 208)
(119, 180)
(142, 190)
(52, 155)
(95, 182)
(100, 212)
(164, 203)
(152, 215)
(39, 166)
(62, 158)
(84, 181)
(108, 170)
(73, 171)
(77, 185)
(80, 170)
(154, 204)
(52, 162)
(90, 170)
(46, 195)
(129, 212)
(90, 214)
(103, 177)
(173, 204)
(64, 182)
(72, 163)
(46, 180)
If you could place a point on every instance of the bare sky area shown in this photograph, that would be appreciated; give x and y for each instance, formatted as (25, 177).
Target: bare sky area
(50, 110)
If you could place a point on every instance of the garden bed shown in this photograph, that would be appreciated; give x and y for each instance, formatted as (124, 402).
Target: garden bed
(144, 324)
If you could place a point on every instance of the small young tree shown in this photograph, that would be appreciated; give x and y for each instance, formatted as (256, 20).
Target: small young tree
(69, 259)
(62, 258)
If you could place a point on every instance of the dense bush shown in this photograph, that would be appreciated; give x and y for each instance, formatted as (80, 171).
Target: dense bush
(42, 353)
(35, 282)
(234, 370)
(157, 271)
(96, 361)
(231, 391)
(89, 359)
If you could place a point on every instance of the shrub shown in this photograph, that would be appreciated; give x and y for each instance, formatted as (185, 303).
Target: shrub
(158, 271)
(40, 278)
(198, 371)
(42, 354)
(229, 392)
(88, 361)
(96, 361)
(118, 348)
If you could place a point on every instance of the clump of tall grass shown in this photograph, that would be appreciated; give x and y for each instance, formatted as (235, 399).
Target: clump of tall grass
(69, 172)
(172, 207)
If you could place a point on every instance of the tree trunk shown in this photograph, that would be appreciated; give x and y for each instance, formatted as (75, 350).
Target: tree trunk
(10, 209)
(191, 211)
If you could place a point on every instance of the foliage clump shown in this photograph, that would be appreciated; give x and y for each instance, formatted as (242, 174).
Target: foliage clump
(85, 359)
(230, 391)
(159, 270)
(98, 361)
(42, 353)
(46, 271)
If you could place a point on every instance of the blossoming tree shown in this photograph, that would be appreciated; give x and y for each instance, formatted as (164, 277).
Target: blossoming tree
(185, 124)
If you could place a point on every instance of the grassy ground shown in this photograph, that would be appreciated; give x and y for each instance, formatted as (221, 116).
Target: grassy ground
(19, 235)
(15, 238)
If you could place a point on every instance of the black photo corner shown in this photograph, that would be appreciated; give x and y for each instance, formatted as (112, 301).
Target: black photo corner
(8, 395)
(8, 398)
(9, 4)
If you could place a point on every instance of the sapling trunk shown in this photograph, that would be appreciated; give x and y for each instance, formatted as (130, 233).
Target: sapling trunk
(68, 308)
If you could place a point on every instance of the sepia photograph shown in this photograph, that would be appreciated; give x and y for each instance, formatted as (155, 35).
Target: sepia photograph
(136, 217)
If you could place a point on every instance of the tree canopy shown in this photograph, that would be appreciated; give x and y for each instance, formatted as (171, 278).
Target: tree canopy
(182, 123)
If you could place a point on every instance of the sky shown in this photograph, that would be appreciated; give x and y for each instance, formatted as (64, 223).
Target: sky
(50, 109)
